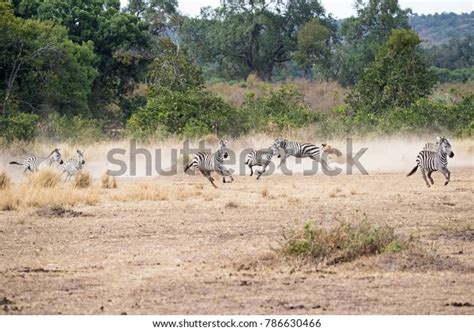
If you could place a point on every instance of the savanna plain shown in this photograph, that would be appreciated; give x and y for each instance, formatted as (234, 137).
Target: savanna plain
(176, 245)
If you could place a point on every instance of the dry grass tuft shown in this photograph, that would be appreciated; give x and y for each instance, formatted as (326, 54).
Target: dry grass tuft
(27, 196)
(142, 191)
(265, 192)
(4, 180)
(108, 182)
(342, 243)
(82, 180)
(46, 178)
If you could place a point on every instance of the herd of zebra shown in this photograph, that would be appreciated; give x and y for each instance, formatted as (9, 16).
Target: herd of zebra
(433, 157)
(70, 167)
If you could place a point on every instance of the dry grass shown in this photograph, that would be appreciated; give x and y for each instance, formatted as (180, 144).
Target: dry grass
(82, 180)
(26, 196)
(108, 182)
(46, 178)
(142, 191)
(4, 180)
(319, 96)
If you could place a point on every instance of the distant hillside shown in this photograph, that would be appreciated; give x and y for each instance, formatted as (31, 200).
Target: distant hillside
(439, 28)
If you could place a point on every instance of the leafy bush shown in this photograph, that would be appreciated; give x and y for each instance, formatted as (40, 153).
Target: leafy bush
(344, 242)
(283, 108)
(18, 126)
(193, 113)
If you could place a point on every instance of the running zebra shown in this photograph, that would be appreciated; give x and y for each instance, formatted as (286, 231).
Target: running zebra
(73, 166)
(299, 150)
(34, 163)
(429, 161)
(262, 158)
(208, 162)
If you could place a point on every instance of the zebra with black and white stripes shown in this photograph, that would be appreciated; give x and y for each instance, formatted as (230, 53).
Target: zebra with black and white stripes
(34, 163)
(262, 158)
(208, 162)
(73, 166)
(430, 160)
(300, 150)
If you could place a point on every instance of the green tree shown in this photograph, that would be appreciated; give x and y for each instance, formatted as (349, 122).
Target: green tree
(42, 70)
(177, 100)
(121, 41)
(398, 77)
(363, 35)
(313, 48)
(243, 37)
(161, 15)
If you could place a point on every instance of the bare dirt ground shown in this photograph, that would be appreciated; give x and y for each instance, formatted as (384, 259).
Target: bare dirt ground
(177, 246)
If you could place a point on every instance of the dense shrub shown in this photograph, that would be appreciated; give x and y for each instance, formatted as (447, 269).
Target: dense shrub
(283, 108)
(18, 126)
(342, 243)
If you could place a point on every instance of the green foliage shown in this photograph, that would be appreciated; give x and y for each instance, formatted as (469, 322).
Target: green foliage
(41, 68)
(177, 101)
(313, 45)
(240, 37)
(440, 28)
(397, 78)
(426, 115)
(457, 75)
(457, 53)
(281, 109)
(18, 126)
(343, 243)
(120, 40)
(364, 34)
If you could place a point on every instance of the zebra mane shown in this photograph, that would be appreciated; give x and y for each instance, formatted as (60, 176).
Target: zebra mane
(56, 150)
(432, 147)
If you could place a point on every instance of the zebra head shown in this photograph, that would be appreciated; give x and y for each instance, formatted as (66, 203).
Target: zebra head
(55, 156)
(445, 146)
(221, 148)
(279, 143)
(275, 150)
(81, 157)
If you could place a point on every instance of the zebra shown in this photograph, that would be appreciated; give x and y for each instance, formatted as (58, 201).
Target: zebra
(300, 150)
(208, 162)
(429, 161)
(73, 166)
(261, 157)
(34, 163)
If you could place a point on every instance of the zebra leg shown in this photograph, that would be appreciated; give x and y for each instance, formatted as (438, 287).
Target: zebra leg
(207, 174)
(251, 170)
(423, 172)
(430, 178)
(283, 159)
(260, 172)
(447, 175)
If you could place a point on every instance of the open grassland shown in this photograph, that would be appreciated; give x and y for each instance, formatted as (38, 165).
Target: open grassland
(167, 245)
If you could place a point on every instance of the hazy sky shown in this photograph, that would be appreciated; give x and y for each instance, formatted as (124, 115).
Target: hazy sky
(343, 8)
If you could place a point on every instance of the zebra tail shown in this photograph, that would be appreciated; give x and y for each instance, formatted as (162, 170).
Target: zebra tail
(14, 162)
(413, 171)
(189, 166)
